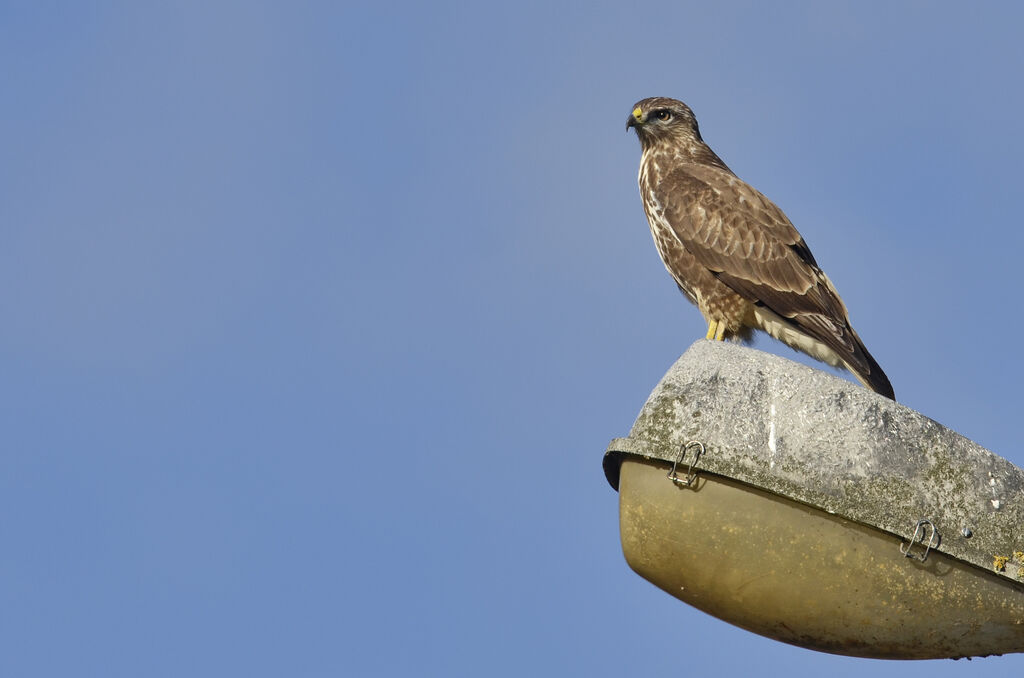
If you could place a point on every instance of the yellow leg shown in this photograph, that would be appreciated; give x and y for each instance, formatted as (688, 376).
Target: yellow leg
(720, 332)
(713, 326)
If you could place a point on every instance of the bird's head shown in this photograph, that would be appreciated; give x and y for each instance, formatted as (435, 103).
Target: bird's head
(660, 119)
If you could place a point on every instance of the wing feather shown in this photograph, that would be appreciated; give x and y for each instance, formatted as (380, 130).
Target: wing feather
(746, 240)
(753, 248)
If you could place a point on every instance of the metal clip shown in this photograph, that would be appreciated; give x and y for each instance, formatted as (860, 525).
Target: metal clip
(919, 532)
(680, 455)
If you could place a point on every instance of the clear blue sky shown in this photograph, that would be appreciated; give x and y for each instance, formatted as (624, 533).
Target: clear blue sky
(318, 317)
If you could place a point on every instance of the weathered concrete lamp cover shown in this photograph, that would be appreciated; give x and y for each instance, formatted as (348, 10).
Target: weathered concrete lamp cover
(810, 510)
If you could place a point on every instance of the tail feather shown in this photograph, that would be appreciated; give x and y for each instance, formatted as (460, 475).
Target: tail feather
(840, 347)
(868, 371)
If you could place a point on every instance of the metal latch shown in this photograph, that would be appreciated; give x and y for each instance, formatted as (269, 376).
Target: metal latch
(923, 527)
(680, 456)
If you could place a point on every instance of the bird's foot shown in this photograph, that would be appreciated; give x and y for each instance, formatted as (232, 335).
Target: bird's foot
(716, 330)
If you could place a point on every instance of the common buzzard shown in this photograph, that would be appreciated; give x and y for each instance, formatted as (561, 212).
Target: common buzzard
(733, 253)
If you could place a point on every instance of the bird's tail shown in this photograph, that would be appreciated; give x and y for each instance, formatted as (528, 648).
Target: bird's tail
(831, 342)
(867, 370)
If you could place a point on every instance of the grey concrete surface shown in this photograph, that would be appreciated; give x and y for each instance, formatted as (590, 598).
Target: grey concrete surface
(810, 436)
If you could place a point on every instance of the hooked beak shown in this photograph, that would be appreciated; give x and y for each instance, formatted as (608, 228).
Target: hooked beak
(635, 119)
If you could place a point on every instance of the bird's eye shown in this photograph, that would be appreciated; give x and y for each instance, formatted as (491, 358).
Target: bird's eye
(663, 115)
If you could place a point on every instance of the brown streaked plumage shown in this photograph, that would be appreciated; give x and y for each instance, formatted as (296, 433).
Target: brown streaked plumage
(732, 252)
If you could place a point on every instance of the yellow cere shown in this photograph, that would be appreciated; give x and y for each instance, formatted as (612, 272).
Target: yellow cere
(638, 114)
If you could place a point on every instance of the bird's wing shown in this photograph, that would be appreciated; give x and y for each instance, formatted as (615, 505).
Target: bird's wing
(750, 245)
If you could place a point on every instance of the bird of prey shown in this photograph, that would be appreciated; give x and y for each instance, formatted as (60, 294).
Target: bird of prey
(732, 252)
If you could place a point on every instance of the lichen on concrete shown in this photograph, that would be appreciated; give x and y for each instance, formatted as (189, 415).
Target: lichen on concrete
(826, 442)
